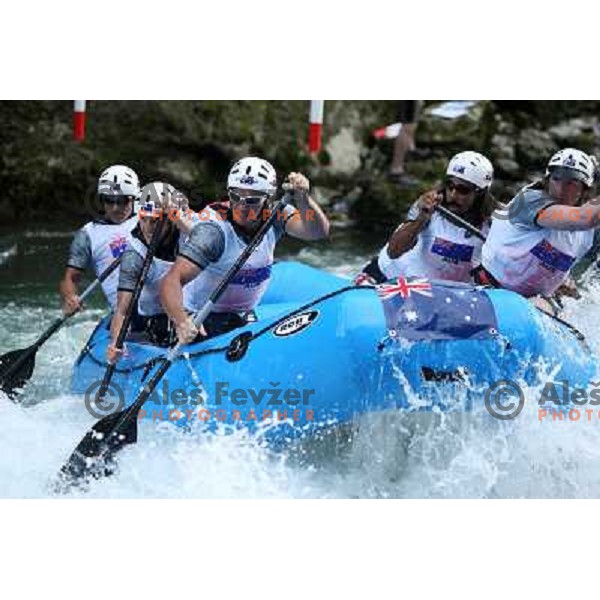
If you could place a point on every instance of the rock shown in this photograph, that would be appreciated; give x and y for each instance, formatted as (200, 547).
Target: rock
(504, 127)
(325, 196)
(382, 205)
(535, 147)
(344, 152)
(504, 156)
(192, 144)
(7, 211)
(463, 133)
(503, 146)
(183, 169)
(577, 133)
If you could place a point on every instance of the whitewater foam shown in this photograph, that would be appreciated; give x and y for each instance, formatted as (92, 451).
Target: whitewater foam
(383, 455)
(5, 255)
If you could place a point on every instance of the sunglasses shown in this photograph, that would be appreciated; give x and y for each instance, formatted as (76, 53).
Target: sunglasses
(460, 188)
(567, 178)
(247, 200)
(116, 200)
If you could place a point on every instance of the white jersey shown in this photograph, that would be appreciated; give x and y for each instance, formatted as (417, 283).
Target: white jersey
(442, 251)
(527, 258)
(247, 287)
(108, 241)
(149, 303)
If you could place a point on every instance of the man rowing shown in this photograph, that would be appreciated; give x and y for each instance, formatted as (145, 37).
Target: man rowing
(215, 244)
(98, 243)
(547, 227)
(427, 243)
(160, 205)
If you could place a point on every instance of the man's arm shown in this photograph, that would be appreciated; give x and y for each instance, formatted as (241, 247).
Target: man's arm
(80, 256)
(570, 218)
(308, 222)
(69, 290)
(405, 236)
(171, 297)
(130, 270)
(171, 287)
(205, 245)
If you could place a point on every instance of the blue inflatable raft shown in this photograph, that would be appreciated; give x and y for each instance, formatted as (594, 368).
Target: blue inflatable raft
(324, 352)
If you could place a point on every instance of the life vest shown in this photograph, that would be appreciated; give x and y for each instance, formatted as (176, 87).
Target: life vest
(149, 303)
(442, 251)
(248, 286)
(532, 260)
(108, 241)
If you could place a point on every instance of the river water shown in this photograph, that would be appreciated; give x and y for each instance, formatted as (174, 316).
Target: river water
(381, 456)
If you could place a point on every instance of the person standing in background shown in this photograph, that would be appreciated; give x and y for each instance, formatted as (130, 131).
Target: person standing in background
(408, 115)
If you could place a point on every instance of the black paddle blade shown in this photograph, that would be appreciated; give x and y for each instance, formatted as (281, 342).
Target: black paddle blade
(94, 455)
(16, 368)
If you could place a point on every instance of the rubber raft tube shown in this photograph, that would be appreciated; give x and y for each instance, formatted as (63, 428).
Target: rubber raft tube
(323, 352)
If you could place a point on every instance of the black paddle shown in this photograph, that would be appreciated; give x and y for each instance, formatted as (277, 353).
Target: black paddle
(459, 222)
(16, 367)
(137, 290)
(93, 456)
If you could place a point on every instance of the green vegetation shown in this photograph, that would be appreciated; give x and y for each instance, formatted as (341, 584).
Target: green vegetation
(44, 174)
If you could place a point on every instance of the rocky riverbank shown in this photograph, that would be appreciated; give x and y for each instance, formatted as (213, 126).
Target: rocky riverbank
(44, 174)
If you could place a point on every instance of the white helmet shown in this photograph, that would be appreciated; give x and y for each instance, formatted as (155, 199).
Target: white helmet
(253, 173)
(583, 167)
(155, 195)
(119, 180)
(472, 167)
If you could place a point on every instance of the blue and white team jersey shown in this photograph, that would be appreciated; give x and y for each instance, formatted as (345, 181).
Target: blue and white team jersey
(527, 258)
(215, 246)
(442, 251)
(96, 245)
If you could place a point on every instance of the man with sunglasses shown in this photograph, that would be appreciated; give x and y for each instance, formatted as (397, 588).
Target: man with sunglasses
(215, 245)
(160, 205)
(104, 239)
(427, 244)
(545, 230)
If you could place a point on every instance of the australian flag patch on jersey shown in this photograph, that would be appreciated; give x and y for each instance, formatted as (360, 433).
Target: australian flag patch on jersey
(118, 245)
(417, 310)
(251, 278)
(552, 257)
(452, 251)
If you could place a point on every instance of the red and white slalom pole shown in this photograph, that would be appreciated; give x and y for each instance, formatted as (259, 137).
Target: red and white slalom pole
(79, 120)
(315, 127)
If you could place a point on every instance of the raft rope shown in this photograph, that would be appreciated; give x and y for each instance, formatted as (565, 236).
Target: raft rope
(249, 336)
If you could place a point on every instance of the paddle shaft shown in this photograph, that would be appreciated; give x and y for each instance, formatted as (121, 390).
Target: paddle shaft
(58, 323)
(448, 214)
(137, 290)
(87, 292)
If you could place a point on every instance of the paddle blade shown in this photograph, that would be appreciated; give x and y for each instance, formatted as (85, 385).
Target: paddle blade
(94, 455)
(16, 368)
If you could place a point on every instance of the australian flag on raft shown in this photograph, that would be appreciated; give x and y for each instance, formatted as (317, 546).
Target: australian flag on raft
(417, 309)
